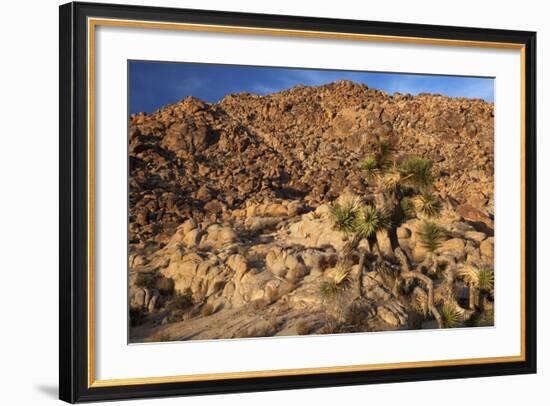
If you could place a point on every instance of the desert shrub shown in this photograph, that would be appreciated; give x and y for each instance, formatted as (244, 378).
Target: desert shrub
(417, 173)
(486, 279)
(328, 288)
(384, 153)
(145, 280)
(332, 326)
(338, 284)
(165, 285)
(481, 277)
(344, 211)
(483, 319)
(450, 316)
(429, 205)
(182, 301)
(431, 236)
(207, 310)
(370, 166)
(370, 220)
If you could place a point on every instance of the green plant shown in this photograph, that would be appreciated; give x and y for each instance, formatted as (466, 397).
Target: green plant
(344, 211)
(417, 173)
(370, 166)
(384, 152)
(369, 221)
(407, 207)
(450, 316)
(328, 288)
(429, 205)
(183, 300)
(480, 277)
(431, 236)
(486, 279)
(486, 318)
(337, 284)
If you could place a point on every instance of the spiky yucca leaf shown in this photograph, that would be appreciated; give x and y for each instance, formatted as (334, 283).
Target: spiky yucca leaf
(480, 277)
(370, 166)
(486, 279)
(450, 316)
(370, 220)
(417, 173)
(468, 273)
(337, 284)
(328, 288)
(344, 212)
(342, 275)
(428, 204)
(431, 236)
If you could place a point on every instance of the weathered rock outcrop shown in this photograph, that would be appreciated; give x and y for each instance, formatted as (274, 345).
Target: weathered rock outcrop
(248, 153)
(230, 230)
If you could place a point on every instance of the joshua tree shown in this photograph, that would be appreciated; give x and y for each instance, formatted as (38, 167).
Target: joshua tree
(399, 190)
(396, 191)
(407, 274)
(369, 221)
(344, 212)
(480, 281)
(428, 204)
(360, 221)
(431, 236)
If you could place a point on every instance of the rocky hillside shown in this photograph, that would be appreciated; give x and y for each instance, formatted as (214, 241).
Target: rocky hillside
(230, 203)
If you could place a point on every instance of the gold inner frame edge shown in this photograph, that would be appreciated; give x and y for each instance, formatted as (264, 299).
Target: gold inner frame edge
(94, 22)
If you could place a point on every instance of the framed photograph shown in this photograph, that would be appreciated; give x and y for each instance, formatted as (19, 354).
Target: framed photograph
(256, 202)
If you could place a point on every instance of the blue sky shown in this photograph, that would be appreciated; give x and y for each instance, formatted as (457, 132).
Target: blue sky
(154, 84)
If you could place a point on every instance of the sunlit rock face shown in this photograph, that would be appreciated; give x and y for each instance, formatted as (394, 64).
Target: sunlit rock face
(230, 214)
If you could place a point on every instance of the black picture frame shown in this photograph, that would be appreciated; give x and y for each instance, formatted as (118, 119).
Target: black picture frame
(74, 199)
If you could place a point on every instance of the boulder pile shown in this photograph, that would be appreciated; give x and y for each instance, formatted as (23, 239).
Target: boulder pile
(229, 211)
